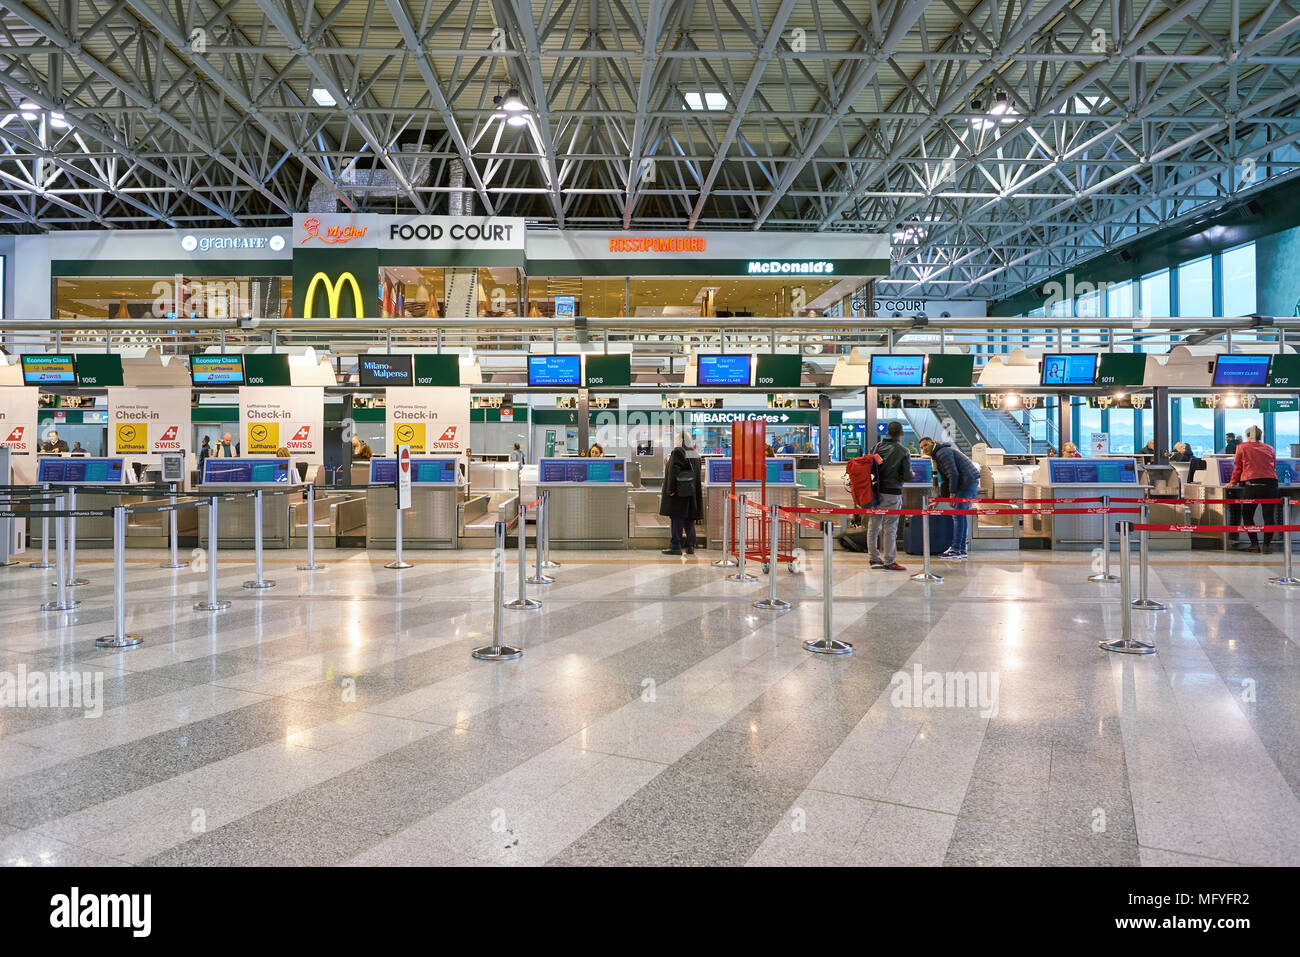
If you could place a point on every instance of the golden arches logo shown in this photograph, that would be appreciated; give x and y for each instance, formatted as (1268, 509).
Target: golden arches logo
(333, 292)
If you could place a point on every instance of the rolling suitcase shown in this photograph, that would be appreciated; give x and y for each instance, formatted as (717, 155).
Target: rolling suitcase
(940, 535)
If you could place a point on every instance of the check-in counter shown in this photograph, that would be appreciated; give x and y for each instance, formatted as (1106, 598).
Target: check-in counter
(1003, 476)
(782, 489)
(235, 517)
(590, 505)
(1079, 478)
(1210, 483)
(1165, 482)
(64, 472)
(432, 521)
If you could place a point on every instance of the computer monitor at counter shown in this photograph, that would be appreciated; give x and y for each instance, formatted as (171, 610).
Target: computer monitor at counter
(249, 471)
(780, 470)
(424, 471)
(603, 471)
(1092, 471)
(77, 470)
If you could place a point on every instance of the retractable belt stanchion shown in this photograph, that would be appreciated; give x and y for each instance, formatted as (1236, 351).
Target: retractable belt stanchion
(397, 561)
(538, 577)
(1286, 578)
(119, 638)
(925, 576)
(726, 560)
(45, 534)
(741, 575)
(523, 601)
(175, 561)
(311, 564)
(1125, 644)
(72, 541)
(1105, 575)
(213, 603)
(61, 601)
(546, 510)
(1143, 601)
(771, 602)
(497, 651)
(6, 559)
(259, 581)
(827, 645)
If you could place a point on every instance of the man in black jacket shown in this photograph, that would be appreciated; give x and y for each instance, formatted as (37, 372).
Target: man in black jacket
(682, 499)
(895, 469)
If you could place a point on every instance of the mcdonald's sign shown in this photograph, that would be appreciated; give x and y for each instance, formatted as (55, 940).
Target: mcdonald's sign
(333, 293)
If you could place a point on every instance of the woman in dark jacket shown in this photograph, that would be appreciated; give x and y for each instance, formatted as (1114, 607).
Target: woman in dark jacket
(682, 499)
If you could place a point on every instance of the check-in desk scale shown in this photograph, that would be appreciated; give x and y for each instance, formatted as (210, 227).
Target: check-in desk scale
(782, 489)
(1211, 483)
(235, 527)
(432, 521)
(589, 501)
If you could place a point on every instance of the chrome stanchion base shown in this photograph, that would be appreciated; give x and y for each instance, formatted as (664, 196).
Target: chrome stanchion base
(524, 603)
(56, 606)
(725, 562)
(174, 565)
(71, 582)
(1146, 604)
(259, 584)
(536, 579)
(547, 563)
(1284, 580)
(113, 641)
(41, 565)
(497, 653)
(399, 565)
(772, 604)
(9, 563)
(828, 646)
(743, 579)
(311, 568)
(928, 578)
(1103, 578)
(212, 606)
(1128, 647)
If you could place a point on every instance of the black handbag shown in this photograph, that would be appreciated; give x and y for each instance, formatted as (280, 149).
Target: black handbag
(684, 483)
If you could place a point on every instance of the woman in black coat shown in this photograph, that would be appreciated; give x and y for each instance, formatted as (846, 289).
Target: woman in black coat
(682, 499)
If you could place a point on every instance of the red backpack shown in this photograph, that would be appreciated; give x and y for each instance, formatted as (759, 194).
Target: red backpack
(863, 479)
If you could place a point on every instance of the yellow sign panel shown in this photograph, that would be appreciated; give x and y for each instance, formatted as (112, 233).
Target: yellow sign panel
(409, 433)
(333, 293)
(263, 438)
(131, 437)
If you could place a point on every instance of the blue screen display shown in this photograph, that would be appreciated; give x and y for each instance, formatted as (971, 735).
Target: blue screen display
(555, 370)
(434, 471)
(780, 471)
(79, 470)
(1069, 369)
(551, 470)
(245, 471)
(719, 471)
(722, 370)
(897, 370)
(383, 471)
(1241, 370)
(1288, 471)
(612, 471)
(923, 471)
(1225, 470)
(1092, 471)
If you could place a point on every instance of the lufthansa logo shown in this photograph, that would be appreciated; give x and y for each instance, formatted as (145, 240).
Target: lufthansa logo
(333, 292)
(257, 433)
(405, 433)
(127, 433)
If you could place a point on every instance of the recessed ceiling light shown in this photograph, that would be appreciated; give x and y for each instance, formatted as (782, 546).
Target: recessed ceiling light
(58, 122)
(517, 119)
(706, 101)
(513, 103)
(323, 97)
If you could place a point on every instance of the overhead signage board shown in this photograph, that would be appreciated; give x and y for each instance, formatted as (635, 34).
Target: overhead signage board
(1284, 373)
(897, 370)
(144, 420)
(384, 370)
(1241, 370)
(560, 371)
(383, 231)
(1124, 370)
(437, 370)
(607, 370)
(723, 370)
(266, 368)
(98, 369)
(216, 370)
(429, 420)
(1069, 368)
(950, 371)
(283, 421)
(779, 371)
(49, 370)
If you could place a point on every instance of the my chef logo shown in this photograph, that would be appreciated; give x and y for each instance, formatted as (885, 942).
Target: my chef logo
(169, 441)
(17, 441)
(133, 912)
(301, 441)
(334, 235)
(447, 441)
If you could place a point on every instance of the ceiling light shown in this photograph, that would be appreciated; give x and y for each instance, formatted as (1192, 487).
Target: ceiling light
(517, 119)
(58, 122)
(513, 103)
(706, 101)
(497, 112)
(323, 97)
(28, 109)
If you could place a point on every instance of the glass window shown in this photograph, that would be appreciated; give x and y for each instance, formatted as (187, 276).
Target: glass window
(1238, 421)
(1154, 295)
(206, 297)
(1122, 430)
(1089, 305)
(1196, 287)
(1196, 427)
(1286, 432)
(1086, 422)
(1239, 281)
(1119, 300)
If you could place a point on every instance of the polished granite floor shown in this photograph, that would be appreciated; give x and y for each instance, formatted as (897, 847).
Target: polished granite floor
(657, 717)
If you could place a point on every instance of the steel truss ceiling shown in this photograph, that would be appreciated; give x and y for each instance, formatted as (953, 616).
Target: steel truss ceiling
(999, 141)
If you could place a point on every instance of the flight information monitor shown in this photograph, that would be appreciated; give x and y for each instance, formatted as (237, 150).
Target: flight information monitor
(595, 471)
(251, 471)
(780, 472)
(424, 471)
(216, 370)
(1092, 471)
(719, 472)
(1288, 471)
(1071, 368)
(722, 370)
(384, 370)
(49, 370)
(903, 370)
(555, 371)
(1246, 370)
(922, 471)
(1225, 470)
(79, 471)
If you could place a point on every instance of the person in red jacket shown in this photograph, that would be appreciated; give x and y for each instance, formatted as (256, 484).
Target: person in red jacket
(1254, 475)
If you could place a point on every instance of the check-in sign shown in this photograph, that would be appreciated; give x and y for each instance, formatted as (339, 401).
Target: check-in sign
(403, 476)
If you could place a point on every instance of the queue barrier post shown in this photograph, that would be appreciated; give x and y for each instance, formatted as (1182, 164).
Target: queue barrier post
(546, 510)
(925, 576)
(827, 645)
(174, 561)
(771, 602)
(258, 581)
(1143, 601)
(539, 577)
(1286, 578)
(1125, 643)
(120, 638)
(311, 564)
(726, 561)
(45, 534)
(523, 601)
(740, 574)
(397, 561)
(1105, 575)
(212, 603)
(61, 601)
(7, 532)
(497, 651)
(72, 541)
